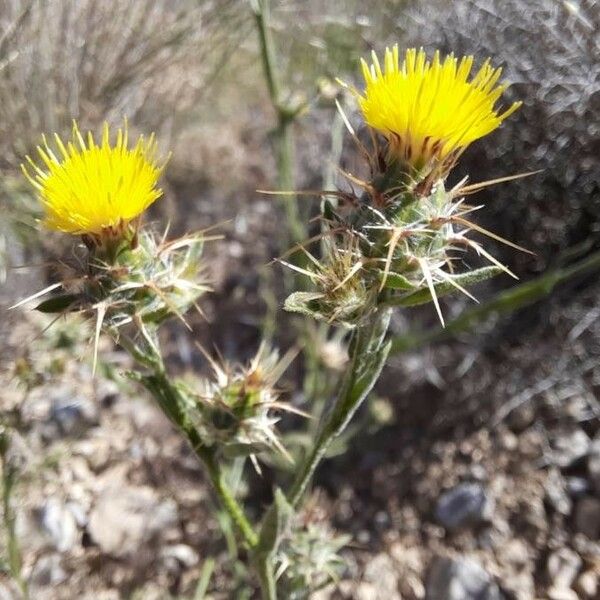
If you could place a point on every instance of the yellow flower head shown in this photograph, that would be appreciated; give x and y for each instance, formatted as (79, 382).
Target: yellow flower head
(429, 111)
(89, 188)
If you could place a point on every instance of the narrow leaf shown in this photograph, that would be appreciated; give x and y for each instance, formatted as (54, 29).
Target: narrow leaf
(423, 296)
(57, 304)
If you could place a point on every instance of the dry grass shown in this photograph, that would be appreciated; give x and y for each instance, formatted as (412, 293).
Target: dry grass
(95, 61)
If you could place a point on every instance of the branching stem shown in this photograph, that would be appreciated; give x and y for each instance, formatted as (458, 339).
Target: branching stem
(172, 401)
(368, 353)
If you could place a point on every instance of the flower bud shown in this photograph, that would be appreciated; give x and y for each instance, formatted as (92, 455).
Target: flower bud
(236, 409)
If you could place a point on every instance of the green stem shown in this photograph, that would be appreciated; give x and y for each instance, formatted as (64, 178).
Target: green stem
(505, 302)
(172, 401)
(266, 576)
(9, 476)
(368, 353)
(284, 141)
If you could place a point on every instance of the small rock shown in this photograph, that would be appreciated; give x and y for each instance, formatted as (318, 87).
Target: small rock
(568, 448)
(459, 579)
(59, 524)
(381, 572)
(181, 553)
(577, 486)
(563, 566)
(48, 571)
(366, 591)
(587, 584)
(126, 517)
(78, 512)
(521, 417)
(107, 392)
(478, 472)
(587, 517)
(594, 465)
(562, 594)
(463, 505)
(69, 416)
(516, 553)
(508, 440)
(556, 493)
(9, 591)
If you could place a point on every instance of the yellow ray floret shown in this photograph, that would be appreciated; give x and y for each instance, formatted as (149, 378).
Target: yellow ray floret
(430, 110)
(87, 188)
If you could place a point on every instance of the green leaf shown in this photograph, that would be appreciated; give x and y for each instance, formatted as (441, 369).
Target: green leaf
(204, 581)
(240, 449)
(328, 210)
(370, 350)
(274, 524)
(57, 304)
(423, 296)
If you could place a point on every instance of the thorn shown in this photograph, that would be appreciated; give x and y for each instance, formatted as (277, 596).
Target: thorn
(36, 295)
(431, 286)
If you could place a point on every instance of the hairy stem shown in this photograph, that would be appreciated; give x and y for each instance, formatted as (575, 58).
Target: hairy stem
(504, 302)
(8, 481)
(284, 140)
(266, 576)
(172, 401)
(368, 353)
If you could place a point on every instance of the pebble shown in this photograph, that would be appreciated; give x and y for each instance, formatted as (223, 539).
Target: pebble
(181, 553)
(48, 571)
(382, 573)
(563, 566)
(568, 448)
(556, 493)
(366, 591)
(577, 486)
(587, 517)
(125, 517)
(59, 524)
(562, 594)
(588, 585)
(69, 416)
(459, 579)
(464, 505)
(593, 464)
(522, 417)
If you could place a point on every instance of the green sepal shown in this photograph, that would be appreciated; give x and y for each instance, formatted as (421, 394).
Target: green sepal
(307, 303)
(395, 281)
(299, 302)
(57, 304)
(423, 295)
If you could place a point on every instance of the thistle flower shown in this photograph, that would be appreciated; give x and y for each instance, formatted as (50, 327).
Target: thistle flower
(429, 112)
(399, 241)
(235, 410)
(91, 189)
(342, 294)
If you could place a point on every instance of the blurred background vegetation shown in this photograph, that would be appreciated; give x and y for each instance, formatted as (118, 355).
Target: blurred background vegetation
(523, 362)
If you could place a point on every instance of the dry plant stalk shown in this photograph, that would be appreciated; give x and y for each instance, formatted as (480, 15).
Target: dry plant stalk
(399, 241)
(139, 59)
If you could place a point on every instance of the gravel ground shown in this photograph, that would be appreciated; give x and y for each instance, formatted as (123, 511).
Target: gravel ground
(485, 483)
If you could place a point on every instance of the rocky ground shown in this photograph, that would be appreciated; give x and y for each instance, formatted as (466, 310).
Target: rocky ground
(479, 480)
(484, 483)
